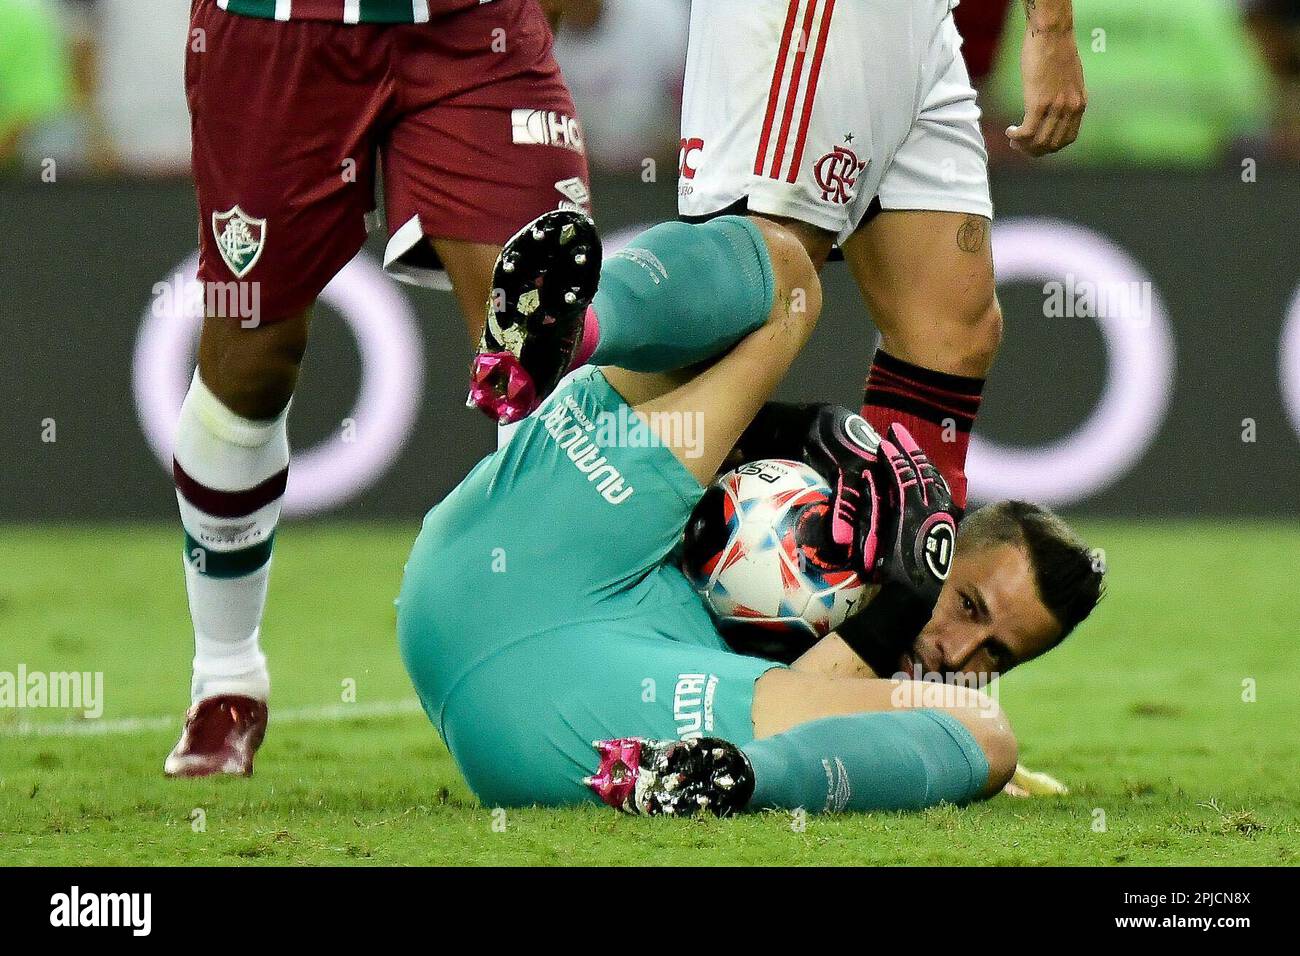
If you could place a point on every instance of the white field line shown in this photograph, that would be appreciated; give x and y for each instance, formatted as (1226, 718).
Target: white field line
(334, 713)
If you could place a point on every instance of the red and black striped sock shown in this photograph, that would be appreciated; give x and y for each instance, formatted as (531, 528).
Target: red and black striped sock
(937, 408)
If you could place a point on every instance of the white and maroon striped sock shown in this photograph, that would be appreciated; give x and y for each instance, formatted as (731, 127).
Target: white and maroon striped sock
(230, 476)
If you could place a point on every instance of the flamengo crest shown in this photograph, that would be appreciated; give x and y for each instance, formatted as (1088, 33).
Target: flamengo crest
(240, 239)
(837, 173)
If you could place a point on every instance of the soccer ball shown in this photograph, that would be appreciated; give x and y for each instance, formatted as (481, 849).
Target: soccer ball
(757, 549)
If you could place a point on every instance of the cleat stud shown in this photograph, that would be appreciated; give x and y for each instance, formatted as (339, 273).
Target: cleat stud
(725, 781)
(538, 234)
(570, 298)
(580, 259)
(507, 267)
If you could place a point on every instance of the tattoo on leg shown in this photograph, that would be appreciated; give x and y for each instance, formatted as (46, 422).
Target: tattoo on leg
(970, 235)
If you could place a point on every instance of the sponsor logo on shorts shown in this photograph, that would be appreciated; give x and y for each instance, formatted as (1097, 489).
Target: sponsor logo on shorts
(545, 128)
(577, 196)
(570, 428)
(837, 174)
(240, 239)
(693, 704)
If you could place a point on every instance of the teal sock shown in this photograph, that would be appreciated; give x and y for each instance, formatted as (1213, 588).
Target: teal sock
(681, 293)
(884, 760)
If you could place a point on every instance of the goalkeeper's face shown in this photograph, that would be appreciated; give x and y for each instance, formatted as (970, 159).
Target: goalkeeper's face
(988, 618)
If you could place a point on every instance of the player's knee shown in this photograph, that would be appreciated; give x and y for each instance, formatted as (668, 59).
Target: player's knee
(253, 372)
(991, 728)
(961, 336)
(982, 717)
(257, 387)
(980, 333)
(797, 288)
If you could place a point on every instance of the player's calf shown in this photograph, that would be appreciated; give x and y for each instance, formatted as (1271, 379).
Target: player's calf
(903, 758)
(990, 728)
(676, 296)
(963, 341)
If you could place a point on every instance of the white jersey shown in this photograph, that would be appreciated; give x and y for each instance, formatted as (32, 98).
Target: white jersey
(812, 109)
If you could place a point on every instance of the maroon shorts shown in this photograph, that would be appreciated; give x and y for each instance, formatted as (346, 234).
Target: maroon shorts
(468, 114)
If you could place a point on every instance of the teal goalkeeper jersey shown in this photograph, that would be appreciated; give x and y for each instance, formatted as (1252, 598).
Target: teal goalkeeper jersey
(349, 11)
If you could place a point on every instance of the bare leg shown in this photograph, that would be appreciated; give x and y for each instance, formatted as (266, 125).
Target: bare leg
(927, 278)
(253, 371)
(469, 266)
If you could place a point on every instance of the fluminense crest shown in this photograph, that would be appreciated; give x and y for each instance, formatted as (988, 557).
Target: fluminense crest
(240, 239)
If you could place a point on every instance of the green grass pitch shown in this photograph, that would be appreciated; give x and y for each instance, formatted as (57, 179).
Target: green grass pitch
(1141, 713)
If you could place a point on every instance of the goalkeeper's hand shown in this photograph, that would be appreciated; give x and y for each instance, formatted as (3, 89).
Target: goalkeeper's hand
(917, 518)
(892, 516)
(1029, 783)
(841, 447)
(911, 537)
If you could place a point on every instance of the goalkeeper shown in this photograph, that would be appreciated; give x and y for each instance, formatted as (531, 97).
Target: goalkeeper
(540, 610)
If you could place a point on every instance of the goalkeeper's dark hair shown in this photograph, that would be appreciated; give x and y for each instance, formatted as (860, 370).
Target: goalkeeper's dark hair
(1069, 575)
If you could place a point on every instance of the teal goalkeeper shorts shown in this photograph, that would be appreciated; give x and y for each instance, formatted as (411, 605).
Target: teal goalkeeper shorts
(539, 611)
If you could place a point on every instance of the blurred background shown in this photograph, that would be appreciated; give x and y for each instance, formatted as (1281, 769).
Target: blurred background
(1183, 188)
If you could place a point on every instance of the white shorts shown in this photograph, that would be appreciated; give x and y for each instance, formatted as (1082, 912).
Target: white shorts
(812, 109)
